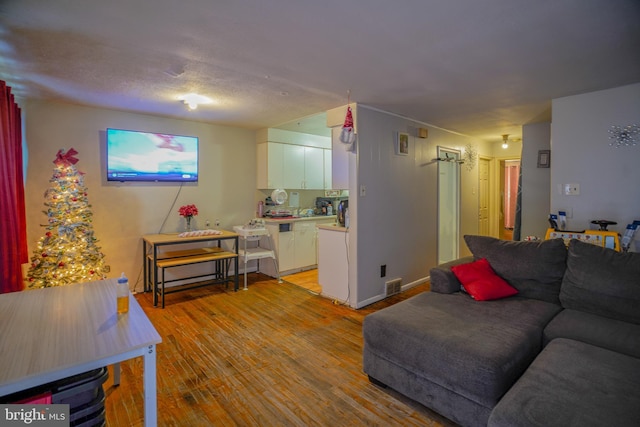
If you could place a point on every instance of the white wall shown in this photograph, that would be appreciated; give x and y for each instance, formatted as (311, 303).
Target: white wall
(396, 221)
(123, 212)
(608, 177)
(535, 181)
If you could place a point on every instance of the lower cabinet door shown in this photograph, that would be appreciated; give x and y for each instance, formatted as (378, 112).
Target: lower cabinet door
(305, 247)
(286, 251)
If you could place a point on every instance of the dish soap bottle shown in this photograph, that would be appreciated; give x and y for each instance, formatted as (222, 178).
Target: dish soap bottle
(122, 292)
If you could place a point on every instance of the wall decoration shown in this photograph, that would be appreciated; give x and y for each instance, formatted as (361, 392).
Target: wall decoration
(544, 158)
(402, 144)
(470, 156)
(624, 136)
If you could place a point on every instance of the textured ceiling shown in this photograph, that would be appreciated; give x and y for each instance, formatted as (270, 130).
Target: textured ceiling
(481, 68)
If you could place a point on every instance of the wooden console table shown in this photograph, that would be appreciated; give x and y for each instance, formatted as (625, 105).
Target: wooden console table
(154, 257)
(54, 333)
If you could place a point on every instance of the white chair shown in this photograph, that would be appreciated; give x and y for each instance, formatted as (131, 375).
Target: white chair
(255, 234)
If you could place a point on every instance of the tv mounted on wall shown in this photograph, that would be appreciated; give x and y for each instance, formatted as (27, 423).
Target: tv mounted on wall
(147, 156)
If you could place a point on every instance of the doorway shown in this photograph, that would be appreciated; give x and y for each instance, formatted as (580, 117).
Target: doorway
(509, 175)
(448, 204)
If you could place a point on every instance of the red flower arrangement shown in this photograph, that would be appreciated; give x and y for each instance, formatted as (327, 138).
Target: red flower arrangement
(188, 210)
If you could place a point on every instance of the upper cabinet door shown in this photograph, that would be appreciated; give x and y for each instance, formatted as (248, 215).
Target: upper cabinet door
(314, 168)
(294, 166)
(328, 185)
(270, 165)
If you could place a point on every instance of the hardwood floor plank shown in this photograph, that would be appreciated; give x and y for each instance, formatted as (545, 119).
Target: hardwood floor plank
(270, 356)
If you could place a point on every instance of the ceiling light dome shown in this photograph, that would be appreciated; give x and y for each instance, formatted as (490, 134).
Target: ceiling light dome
(192, 100)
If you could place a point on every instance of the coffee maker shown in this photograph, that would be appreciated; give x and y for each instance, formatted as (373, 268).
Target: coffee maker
(343, 207)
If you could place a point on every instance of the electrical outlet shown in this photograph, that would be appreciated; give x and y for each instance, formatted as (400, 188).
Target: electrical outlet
(568, 211)
(217, 223)
(383, 270)
(572, 189)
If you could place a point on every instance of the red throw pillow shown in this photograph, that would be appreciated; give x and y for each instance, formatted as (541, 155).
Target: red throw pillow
(481, 282)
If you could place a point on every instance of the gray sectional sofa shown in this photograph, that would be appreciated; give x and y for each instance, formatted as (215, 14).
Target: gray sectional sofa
(564, 351)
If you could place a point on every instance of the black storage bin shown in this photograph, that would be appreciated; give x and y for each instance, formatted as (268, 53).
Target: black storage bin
(90, 414)
(83, 393)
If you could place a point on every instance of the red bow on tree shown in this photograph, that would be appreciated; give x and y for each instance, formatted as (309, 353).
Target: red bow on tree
(66, 159)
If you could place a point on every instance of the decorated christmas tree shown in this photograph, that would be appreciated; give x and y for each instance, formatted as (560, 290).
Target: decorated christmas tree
(67, 253)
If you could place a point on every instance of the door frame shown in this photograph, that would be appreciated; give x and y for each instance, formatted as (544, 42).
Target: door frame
(495, 192)
(441, 150)
(490, 194)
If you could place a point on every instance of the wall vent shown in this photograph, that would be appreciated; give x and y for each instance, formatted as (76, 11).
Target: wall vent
(393, 286)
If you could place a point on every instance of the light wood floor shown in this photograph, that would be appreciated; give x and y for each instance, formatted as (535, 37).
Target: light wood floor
(274, 355)
(306, 279)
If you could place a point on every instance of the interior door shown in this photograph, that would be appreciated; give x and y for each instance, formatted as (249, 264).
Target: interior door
(448, 204)
(510, 171)
(483, 196)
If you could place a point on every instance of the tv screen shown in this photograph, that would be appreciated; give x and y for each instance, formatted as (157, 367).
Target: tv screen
(146, 156)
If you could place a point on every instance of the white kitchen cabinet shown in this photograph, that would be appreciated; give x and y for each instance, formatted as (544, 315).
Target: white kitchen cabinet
(313, 168)
(284, 246)
(328, 185)
(293, 166)
(287, 250)
(290, 166)
(305, 243)
(297, 249)
(270, 165)
(333, 265)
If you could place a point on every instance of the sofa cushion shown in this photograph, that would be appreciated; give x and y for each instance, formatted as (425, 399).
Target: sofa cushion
(443, 280)
(616, 335)
(602, 281)
(535, 269)
(480, 281)
(573, 384)
(475, 349)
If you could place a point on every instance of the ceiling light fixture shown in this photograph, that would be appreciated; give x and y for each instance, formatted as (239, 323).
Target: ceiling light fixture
(505, 141)
(192, 100)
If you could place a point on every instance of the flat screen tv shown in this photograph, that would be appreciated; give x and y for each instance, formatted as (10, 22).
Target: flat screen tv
(146, 156)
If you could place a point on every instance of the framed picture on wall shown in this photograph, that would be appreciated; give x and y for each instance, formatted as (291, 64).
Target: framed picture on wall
(402, 143)
(544, 158)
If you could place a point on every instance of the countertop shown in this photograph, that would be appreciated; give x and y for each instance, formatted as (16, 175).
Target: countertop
(333, 227)
(299, 218)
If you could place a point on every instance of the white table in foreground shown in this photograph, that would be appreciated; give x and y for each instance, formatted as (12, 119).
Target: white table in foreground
(54, 333)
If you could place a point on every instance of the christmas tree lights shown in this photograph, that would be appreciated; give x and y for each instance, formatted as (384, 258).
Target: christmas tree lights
(68, 252)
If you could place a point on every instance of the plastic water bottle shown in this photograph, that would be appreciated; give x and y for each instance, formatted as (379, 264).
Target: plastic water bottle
(122, 293)
(260, 212)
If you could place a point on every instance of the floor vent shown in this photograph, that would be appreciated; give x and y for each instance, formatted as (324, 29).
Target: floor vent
(393, 286)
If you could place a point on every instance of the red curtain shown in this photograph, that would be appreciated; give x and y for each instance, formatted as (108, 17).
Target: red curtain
(13, 227)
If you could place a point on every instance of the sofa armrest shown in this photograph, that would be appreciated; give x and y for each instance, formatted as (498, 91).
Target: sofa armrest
(442, 278)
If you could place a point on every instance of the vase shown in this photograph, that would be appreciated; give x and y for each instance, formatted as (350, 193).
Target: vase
(188, 218)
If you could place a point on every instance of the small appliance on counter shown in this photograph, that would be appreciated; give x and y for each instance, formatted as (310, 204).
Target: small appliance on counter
(327, 205)
(343, 213)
